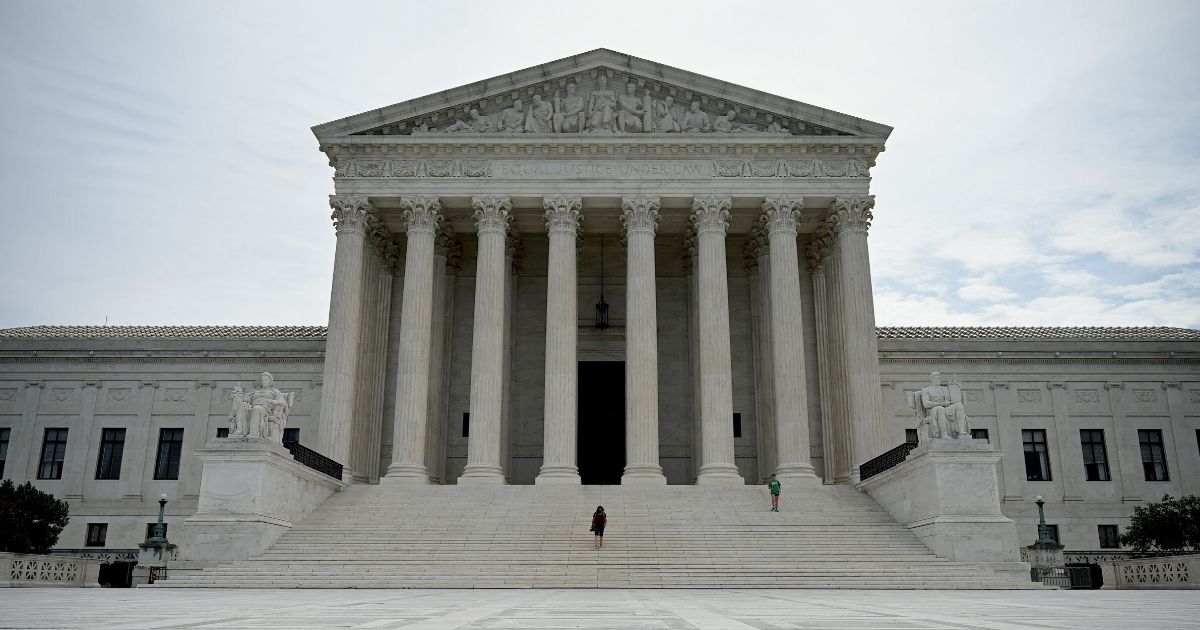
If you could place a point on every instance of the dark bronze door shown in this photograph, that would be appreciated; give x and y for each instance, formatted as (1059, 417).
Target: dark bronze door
(601, 421)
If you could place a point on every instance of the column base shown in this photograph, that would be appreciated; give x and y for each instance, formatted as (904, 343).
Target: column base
(643, 475)
(408, 474)
(558, 475)
(482, 475)
(795, 471)
(719, 475)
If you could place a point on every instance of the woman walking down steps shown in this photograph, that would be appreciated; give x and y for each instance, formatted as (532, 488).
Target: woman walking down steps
(599, 520)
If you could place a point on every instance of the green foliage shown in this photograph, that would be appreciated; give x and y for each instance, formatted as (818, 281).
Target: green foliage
(1171, 525)
(30, 520)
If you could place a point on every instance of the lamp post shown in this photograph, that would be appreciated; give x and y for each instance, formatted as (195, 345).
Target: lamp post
(1044, 537)
(601, 306)
(160, 531)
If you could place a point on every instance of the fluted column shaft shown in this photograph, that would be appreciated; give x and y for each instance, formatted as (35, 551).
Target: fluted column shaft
(640, 222)
(445, 246)
(764, 383)
(487, 343)
(839, 375)
(343, 343)
(710, 215)
(861, 346)
(422, 216)
(793, 458)
(562, 367)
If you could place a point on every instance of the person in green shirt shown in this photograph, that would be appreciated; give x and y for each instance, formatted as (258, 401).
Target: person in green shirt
(773, 485)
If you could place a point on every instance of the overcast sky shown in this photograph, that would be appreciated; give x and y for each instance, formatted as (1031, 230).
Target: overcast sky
(158, 168)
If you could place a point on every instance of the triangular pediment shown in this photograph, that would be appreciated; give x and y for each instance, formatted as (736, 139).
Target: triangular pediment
(601, 92)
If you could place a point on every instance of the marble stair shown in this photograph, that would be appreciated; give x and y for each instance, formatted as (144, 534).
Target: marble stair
(382, 536)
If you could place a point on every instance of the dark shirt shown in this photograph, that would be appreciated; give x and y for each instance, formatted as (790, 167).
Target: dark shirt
(599, 520)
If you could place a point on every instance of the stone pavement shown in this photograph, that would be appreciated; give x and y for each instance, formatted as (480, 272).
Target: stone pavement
(635, 609)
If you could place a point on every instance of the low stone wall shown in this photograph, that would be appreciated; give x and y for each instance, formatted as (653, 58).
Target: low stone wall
(30, 570)
(1175, 572)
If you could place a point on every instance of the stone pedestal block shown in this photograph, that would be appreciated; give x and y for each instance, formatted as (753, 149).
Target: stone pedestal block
(947, 493)
(250, 494)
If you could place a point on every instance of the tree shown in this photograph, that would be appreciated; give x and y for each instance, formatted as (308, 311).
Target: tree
(30, 520)
(1171, 525)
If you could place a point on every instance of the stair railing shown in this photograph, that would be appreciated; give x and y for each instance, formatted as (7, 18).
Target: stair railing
(888, 460)
(314, 460)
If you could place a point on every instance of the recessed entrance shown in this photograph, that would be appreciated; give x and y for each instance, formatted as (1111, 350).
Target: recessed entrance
(601, 421)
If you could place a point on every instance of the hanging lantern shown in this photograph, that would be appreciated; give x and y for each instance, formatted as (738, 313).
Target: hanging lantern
(601, 306)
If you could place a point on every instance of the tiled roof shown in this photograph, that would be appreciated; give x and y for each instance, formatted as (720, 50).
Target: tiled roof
(164, 332)
(961, 333)
(1040, 333)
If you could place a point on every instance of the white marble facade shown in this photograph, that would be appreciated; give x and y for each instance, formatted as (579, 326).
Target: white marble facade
(468, 238)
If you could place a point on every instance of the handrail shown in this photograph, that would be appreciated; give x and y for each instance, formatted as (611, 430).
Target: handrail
(888, 460)
(314, 460)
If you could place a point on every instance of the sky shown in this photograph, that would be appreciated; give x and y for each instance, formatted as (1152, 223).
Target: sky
(158, 167)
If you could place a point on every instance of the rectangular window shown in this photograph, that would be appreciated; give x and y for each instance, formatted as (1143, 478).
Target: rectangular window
(96, 533)
(737, 425)
(911, 437)
(223, 432)
(1154, 460)
(291, 435)
(1037, 457)
(4, 434)
(1109, 538)
(170, 447)
(1095, 456)
(1197, 450)
(54, 452)
(1054, 534)
(150, 530)
(980, 434)
(466, 425)
(112, 447)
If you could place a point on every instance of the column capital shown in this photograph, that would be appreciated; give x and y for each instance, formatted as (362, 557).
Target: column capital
(757, 246)
(710, 213)
(688, 251)
(349, 213)
(445, 242)
(853, 214)
(640, 214)
(379, 237)
(492, 214)
(391, 256)
(781, 214)
(514, 248)
(819, 248)
(562, 214)
(422, 214)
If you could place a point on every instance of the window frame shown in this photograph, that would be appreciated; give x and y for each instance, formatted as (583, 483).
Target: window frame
(5, 437)
(1115, 538)
(1160, 445)
(168, 469)
(291, 434)
(912, 436)
(90, 541)
(1089, 447)
(57, 457)
(986, 435)
(1043, 454)
(111, 454)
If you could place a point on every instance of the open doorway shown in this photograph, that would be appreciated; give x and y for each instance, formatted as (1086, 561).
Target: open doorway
(601, 445)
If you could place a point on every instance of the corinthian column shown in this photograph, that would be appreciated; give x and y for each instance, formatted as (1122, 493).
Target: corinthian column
(792, 455)
(710, 214)
(853, 219)
(343, 342)
(639, 222)
(487, 343)
(422, 217)
(558, 459)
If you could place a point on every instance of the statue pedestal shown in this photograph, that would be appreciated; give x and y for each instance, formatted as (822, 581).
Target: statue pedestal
(947, 492)
(1048, 564)
(250, 494)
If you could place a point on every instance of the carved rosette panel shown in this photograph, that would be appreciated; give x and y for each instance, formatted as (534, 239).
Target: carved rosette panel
(710, 213)
(422, 214)
(853, 214)
(781, 214)
(350, 213)
(492, 214)
(562, 214)
(640, 215)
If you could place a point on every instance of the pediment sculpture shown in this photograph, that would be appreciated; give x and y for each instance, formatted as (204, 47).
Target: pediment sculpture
(939, 409)
(261, 413)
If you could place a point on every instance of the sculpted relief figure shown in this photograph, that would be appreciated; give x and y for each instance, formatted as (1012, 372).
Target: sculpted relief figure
(541, 116)
(631, 112)
(475, 124)
(940, 409)
(601, 108)
(695, 121)
(662, 117)
(569, 116)
(512, 120)
(776, 126)
(260, 414)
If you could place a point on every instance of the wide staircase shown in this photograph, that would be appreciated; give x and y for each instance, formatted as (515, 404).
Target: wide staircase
(537, 536)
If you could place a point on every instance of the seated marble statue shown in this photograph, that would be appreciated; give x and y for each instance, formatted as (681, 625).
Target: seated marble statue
(776, 126)
(602, 104)
(512, 120)
(663, 116)
(262, 413)
(476, 124)
(541, 116)
(695, 121)
(568, 111)
(631, 111)
(940, 409)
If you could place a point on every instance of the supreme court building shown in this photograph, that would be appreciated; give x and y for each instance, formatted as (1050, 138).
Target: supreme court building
(603, 270)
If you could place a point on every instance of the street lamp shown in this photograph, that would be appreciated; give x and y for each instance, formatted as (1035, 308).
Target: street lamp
(601, 306)
(1044, 537)
(160, 530)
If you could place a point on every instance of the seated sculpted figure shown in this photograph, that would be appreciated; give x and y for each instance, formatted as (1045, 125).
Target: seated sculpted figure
(601, 108)
(476, 124)
(541, 116)
(512, 120)
(568, 112)
(262, 413)
(695, 121)
(940, 407)
(631, 112)
(663, 116)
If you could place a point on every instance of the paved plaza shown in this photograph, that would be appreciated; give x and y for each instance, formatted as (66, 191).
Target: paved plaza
(635, 609)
